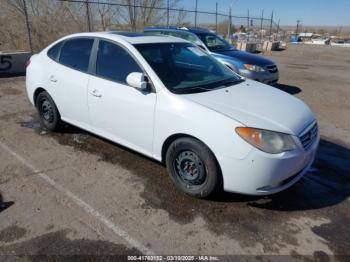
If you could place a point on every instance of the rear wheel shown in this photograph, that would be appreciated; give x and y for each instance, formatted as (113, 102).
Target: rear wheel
(193, 167)
(48, 112)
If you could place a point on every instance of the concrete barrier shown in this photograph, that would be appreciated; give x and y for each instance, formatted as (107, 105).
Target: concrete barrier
(271, 46)
(13, 63)
(248, 47)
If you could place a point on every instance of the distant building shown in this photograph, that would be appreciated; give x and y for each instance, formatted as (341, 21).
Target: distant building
(306, 36)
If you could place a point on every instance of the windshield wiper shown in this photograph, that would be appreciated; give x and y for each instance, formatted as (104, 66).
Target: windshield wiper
(219, 85)
(222, 49)
(209, 87)
(230, 82)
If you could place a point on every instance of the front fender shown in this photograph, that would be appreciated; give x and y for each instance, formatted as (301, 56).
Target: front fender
(177, 115)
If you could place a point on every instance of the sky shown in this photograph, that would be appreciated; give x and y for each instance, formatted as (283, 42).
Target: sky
(309, 12)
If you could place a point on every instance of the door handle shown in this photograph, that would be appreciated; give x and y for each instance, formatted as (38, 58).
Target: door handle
(95, 93)
(53, 79)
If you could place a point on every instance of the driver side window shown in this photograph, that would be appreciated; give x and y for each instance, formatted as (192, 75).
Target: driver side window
(114, 62)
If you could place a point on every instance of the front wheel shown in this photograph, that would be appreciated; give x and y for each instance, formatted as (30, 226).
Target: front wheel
(193, 167)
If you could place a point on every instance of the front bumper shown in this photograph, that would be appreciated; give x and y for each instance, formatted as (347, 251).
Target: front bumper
(263, 77)
(261, 173)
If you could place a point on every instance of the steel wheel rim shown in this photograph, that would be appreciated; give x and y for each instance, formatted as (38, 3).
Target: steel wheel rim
(189, 168)
(47, 111)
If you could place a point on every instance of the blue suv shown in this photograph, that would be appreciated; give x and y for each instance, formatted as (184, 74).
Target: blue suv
(246, 64)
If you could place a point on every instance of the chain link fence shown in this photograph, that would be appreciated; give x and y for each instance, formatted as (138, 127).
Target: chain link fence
(33, 24)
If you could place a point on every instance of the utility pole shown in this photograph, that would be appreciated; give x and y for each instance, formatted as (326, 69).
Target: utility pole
(88, 15)
(167, 13)
(216, 17)
(28, 26)
(271, 25)
(261, 24)
(229, 24)
(248, 18)
(134, 14)
(248, 25)
(297, 29)
(195, 14)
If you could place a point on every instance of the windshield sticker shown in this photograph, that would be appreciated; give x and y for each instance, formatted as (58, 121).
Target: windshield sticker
(196, 51)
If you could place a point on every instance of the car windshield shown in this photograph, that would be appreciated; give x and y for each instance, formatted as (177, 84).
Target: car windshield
(215, 43)
(185, 68)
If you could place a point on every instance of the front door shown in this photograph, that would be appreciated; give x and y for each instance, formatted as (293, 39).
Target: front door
(118, 111)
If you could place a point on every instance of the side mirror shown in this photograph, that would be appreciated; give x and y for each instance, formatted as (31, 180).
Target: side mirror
(138, 81)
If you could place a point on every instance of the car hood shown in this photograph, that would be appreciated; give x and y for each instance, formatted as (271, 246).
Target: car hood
(245, 57)
(257, 105)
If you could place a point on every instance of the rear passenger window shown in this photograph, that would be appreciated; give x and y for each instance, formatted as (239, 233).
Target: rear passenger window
(114, 63)
(75, 53)
(53, 51)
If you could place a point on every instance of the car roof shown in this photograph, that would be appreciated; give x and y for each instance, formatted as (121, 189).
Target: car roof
(200, 31)
(132, 37)
(179, 29)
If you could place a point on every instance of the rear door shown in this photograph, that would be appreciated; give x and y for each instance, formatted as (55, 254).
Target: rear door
(69, 79)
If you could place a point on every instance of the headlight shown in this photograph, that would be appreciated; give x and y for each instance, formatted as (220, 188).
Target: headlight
(254, 68)
(267, 141)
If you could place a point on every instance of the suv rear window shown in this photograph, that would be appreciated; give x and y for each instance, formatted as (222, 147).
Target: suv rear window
(75, 53)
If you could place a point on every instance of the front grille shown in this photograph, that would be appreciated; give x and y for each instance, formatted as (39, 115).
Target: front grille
(309, 136)
(272, 69)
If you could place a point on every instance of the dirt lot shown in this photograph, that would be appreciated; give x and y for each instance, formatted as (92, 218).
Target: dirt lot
(73, 193)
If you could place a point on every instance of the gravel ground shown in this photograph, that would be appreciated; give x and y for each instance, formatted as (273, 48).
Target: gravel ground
(72, 193)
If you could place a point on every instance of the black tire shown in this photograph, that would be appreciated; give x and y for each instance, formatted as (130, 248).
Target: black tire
(48, 112)
(193, 167)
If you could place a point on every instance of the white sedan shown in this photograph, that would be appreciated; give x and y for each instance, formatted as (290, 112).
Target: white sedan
(167, 99)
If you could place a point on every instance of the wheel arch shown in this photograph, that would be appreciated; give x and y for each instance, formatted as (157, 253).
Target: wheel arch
(37, 91)
(168, 142)
(174, 137)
